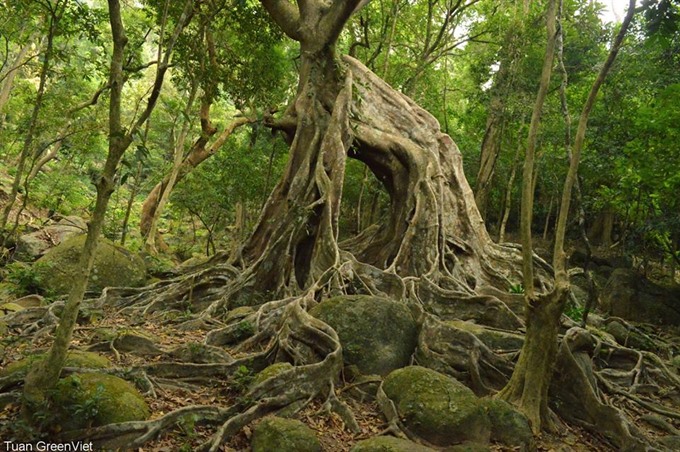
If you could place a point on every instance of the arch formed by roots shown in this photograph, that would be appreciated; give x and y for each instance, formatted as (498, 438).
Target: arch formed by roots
(433, 254)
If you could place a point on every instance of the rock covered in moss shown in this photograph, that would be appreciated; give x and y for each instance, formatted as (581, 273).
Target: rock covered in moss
(196, 352)
(269, 372)
(389, 444)
(436, 407)
(377, 335)
(114, 266)
(284, 435)
(92, 399)
(74, 358)
(508, 426)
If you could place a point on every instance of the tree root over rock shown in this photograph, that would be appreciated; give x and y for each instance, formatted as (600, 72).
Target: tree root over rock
(433, 254)
(582, 394)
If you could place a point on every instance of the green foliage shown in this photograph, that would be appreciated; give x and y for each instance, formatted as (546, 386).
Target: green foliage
(244, 329)
(574, 312)
(516, 288)
(25, 279)
(242, 378)
(86, 408)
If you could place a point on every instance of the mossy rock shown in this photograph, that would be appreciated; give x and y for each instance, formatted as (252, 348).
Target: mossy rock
(389, 444)
(113, 267)
(9, 308)
(436, 407)
(159, 266)
(269, 372)
(494, 339)
(508, 426)
(629, 338)
(468, 447)
(238, 313)
(377, 335)
(284, 435)
(74, 358)
(196, 352)
(91, 400)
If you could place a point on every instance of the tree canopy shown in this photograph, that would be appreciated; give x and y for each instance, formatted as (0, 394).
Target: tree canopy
(269, 160)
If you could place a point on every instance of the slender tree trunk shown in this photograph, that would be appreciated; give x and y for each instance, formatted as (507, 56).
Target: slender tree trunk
(150, 242)
(33, 123)
(546, 226)
(508, 191)
(9, 77)
(528, 386)
(530, 380)
(45, 374)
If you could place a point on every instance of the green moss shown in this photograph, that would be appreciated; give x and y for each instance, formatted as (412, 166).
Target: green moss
(91, 400)
(377, 335)
(284, 435)
(270, 371)
(74, 358)
(508, 426)
(436, 407)
(113, 267)
(388, 444)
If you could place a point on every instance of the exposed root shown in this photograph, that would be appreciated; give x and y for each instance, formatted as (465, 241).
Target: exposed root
(129, 435)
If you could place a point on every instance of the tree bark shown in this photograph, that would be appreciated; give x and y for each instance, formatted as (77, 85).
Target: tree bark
(9, 77)
(178, 154)
(530, 380)
(45, 374)
(55, 15)
(528, 386)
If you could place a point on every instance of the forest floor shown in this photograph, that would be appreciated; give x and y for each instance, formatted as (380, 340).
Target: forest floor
(186, 437)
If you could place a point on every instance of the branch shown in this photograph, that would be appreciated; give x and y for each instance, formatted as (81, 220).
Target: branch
(163, 67)
(334, 20)
(286, 16)
(140, 67)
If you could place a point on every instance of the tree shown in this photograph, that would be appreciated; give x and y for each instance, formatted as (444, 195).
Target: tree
(45, 374)
(53, 14)
(528, 386)
(220, 72)
(431, 253)
(509, 55)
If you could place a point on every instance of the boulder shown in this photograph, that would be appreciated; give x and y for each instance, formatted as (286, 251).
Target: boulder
(629, 338)
(74, 358)
(377, 335)
(284, 435)
(92, 399)
(196, 352)
(509, 427)
(389, 444)
(269, 372)
(32, 246)
(437, 408)
(493, 338)
(114, 266)
(631, 296)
